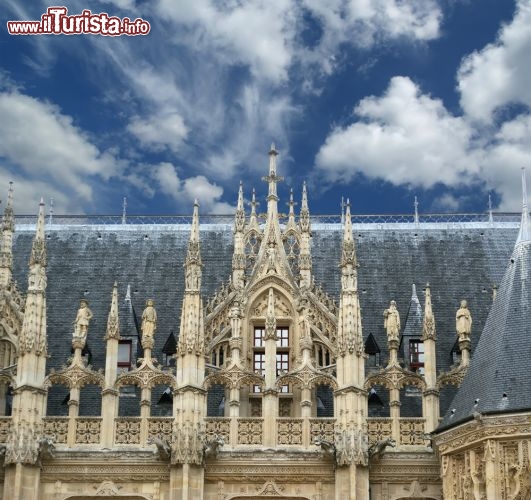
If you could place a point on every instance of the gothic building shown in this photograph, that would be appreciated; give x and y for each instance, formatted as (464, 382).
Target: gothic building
(285, 356)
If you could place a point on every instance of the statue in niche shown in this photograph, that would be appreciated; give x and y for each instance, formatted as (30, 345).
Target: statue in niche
(392, 321)
(271, 258)
(84, 315)
(463, 320)
(149, 320)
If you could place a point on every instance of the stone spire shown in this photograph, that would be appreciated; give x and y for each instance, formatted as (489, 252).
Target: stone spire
(6, 241)
(110, 396)
(305, 257)
(113, 320)
(351, 436)
(193, 262)
(191, 338)
(30, 396)
(349, 335)
(431, 395)
(272, 179)
(238, 257)
(428, 326)
(524, 234)
(189, 400)
(253, 219)
(33, 335)
(291, 214)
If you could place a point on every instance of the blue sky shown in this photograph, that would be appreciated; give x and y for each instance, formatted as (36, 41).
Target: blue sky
(376, 100)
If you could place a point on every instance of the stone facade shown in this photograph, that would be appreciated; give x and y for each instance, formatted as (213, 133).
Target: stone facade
(269, 389)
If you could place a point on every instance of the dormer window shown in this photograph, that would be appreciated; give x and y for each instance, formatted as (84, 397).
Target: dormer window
(416, 356)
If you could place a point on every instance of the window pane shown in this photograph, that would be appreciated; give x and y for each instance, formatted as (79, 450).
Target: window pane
(282, 337)
(258, 337)
(124, 353)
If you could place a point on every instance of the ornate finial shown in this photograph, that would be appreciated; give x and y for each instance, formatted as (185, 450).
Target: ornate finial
(291, 215)
(270, 321)
(50, 213)
(272, 179)
(348, 255)
(428, 326)
(149, 324)
(523, 235)
(193, 257)
(9, 220)
(240, 197)
(253, 219)
(304, 220)
(416, 205)
(81, 324)
(38, 249)
(113, 320)
(491, 219)
(124, 210)
(239, 217)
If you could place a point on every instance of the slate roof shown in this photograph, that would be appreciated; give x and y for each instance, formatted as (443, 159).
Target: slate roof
(499, 376)
(84, 261)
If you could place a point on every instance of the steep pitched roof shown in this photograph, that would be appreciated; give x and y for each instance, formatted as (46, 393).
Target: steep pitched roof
(499, 377)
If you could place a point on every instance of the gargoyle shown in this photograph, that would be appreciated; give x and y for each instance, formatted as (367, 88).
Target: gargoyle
(377, 449)
(211, 447)
(163, 447)
(328, 448)
(46, 448)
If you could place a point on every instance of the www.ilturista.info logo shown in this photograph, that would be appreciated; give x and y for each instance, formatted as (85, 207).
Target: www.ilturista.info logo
(57, 22)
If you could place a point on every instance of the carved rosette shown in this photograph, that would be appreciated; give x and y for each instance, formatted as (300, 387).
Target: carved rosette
(187, 445)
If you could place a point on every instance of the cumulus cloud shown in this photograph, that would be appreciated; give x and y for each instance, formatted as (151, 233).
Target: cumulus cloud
(500, 73)
(40, 142)
(403, 137)
(185, 191)
(158, 132)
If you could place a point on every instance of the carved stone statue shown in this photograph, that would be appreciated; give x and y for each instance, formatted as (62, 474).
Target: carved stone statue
(463, 320)
(149, 320)
(392, 321)
(377, 449)
(271, 259)
(84, 315)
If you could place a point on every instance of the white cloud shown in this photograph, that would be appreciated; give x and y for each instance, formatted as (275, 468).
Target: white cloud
(504, 156)
(160, 131)
(403, 137)
(185, 191)
(367, 23)
(39, 142)
(500, 73)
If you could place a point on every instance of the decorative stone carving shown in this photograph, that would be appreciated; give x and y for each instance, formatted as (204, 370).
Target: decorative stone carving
(22, 446)
(351, 447)
(187, 444)
(376, 450)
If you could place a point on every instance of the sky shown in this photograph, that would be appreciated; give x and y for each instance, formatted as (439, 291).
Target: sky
(375, 100)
